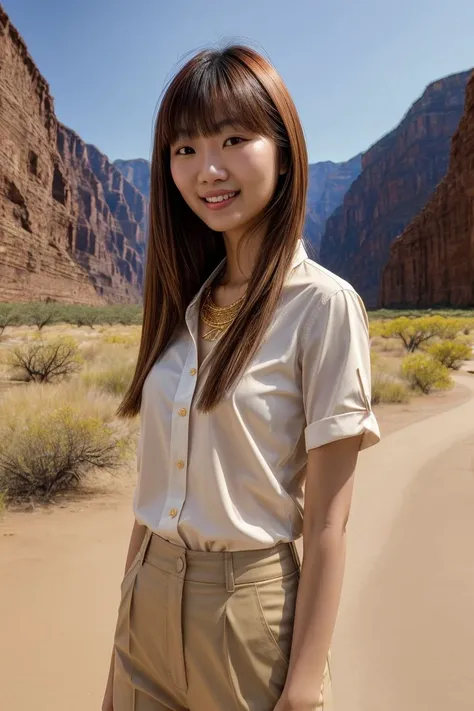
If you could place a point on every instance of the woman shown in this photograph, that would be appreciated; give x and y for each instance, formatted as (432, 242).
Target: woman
(253, 386)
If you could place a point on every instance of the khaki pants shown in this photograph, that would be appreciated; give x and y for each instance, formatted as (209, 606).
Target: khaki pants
(202, 631)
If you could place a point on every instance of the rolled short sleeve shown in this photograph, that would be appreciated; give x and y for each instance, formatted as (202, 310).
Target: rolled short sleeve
(336, 373)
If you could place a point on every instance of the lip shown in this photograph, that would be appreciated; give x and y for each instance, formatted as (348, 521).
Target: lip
(214, 206)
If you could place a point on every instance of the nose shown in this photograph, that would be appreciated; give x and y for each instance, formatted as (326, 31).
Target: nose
(212, 167)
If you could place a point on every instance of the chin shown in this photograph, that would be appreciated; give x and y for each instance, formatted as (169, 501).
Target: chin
(223, 223)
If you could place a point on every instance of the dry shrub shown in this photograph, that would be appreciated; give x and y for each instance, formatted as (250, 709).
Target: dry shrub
(451, 354)
(43, 361)
(49, 446)
(468, 325)
(376, 328)
(425, 374)
(414, 332)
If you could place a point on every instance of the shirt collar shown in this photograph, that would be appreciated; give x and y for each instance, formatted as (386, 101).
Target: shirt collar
(299, 257)
(300, 254)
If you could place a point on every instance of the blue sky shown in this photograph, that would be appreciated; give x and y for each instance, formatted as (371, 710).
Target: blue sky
(353, 67)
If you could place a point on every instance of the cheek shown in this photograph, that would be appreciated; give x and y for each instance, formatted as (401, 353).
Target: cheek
(180, 178)
(261, 168)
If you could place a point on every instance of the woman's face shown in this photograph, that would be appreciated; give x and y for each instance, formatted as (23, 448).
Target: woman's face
(227, 179)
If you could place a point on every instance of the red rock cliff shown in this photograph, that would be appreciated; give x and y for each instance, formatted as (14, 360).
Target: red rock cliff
(399, 174)
(72, 228)
(432, 262)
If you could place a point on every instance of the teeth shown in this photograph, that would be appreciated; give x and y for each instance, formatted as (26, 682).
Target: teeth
(220, 198)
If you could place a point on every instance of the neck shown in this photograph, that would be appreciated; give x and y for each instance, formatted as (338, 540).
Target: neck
(240, 262)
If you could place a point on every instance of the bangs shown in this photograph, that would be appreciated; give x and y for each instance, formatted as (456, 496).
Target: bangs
(215, 93)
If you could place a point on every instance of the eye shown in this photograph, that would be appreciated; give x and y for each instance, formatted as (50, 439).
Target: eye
(184, 151)
(235, 140)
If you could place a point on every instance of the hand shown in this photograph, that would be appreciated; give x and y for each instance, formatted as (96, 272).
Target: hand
(286, 703)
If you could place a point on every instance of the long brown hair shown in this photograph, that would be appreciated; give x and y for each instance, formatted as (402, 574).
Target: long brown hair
(182, 251)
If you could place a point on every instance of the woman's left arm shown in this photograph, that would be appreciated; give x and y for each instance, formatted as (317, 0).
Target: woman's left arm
(327, 505)
(336, 390)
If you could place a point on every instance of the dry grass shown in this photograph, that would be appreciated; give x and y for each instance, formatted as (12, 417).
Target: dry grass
(24, 408)
(109, 357)
(388, 389)
(393, 346)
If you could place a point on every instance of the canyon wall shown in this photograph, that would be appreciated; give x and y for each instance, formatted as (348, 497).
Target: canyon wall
(72, 229)
(399, 174)
(432, 262)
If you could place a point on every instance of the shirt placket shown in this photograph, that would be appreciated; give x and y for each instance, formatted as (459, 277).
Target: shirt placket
(179, 445)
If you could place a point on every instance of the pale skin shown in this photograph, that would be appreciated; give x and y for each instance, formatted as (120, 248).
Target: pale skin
(251, 164)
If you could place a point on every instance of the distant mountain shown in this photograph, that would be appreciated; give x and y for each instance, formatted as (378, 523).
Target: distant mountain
(432, 262)
(399, 174)
(328, 183)
(137, 172)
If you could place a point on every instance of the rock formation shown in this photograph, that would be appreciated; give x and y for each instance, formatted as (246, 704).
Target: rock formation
(137, 173)
(432, 262)
(72, 229)
(328, 184)
(399, 174)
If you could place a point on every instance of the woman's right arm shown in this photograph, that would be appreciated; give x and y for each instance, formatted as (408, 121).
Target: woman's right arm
(136, 540)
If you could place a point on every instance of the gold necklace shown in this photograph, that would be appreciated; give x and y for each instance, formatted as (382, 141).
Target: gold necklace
(218, 318)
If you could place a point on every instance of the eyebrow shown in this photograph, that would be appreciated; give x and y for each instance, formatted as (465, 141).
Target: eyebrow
(224, 123)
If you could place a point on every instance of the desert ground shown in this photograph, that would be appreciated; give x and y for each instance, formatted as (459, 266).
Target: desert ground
(405, 628)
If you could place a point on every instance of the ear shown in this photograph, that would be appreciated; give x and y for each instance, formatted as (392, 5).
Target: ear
(283, 161)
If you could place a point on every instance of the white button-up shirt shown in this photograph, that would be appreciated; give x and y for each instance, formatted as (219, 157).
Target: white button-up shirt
(233, 478)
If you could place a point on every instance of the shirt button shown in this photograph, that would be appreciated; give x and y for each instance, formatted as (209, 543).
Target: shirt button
(180, 464)
(183, 412)
(173, 513)
(179, 565)
(193, 371)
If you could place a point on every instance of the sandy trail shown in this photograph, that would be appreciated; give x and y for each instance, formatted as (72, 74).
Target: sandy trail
(405, 630)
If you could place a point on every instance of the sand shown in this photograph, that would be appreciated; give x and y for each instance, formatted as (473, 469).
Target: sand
(405, 629)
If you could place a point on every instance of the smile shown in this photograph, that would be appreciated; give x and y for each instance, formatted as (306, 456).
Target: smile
(220, 198)
(220, 201)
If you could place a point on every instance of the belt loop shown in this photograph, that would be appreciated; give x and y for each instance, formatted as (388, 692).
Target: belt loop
(229, 572)
(145, 544)
(295, 553)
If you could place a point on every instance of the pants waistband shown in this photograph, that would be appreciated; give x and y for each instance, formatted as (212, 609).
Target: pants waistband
(220, 568)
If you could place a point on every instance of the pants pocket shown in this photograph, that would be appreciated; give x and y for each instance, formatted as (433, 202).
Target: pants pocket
(276, 603)
(259, 629)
